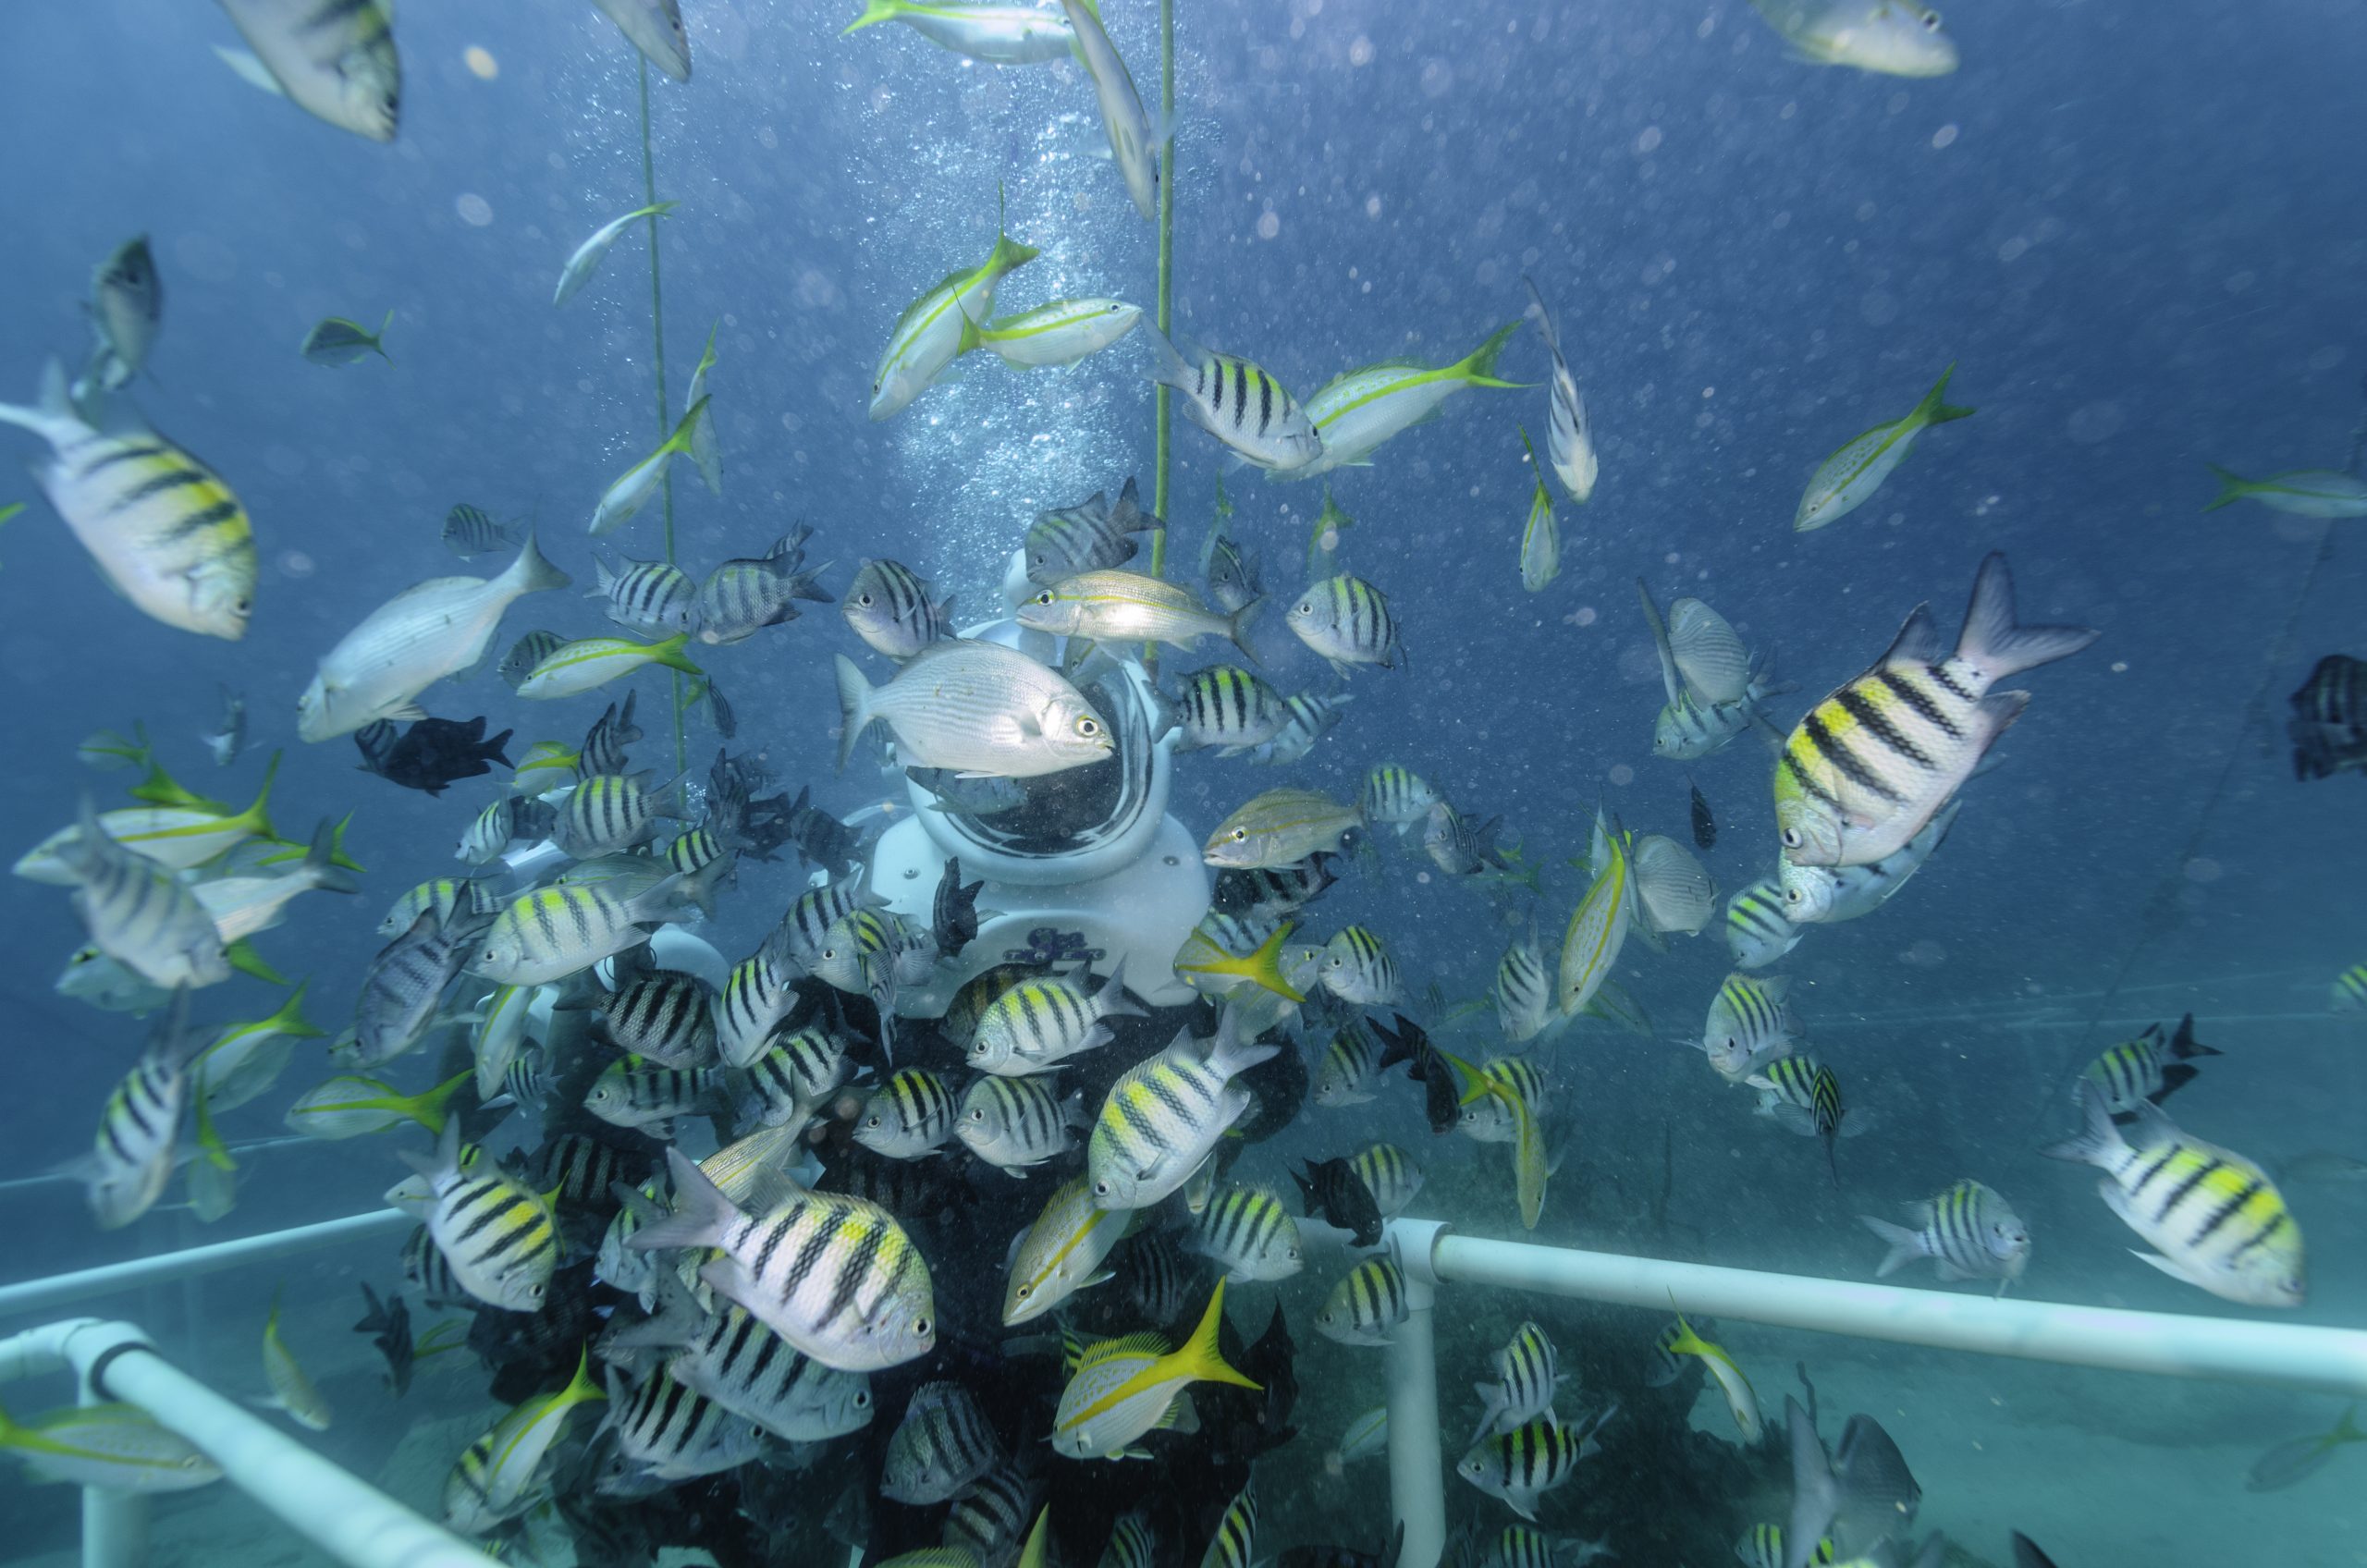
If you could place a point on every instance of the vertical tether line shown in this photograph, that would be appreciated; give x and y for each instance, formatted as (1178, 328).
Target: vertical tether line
(657, 351)
(1163, 427)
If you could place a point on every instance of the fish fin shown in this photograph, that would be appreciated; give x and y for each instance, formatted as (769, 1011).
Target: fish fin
(2233, 487)
(1816, 1493)
(246, 960)
(1237, 629)
(1112, 1001)
(2184, 1046)
(1200, 1357)
(854, 707)
(532, 573)
(701, 1211)
(1934, 408)
(1995, 644)
(1478, 367)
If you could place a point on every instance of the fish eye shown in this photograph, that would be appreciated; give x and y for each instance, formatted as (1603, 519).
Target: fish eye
(1305, 606)
(1930, 21)
(1087, 725)
(1027, 1291)
(1241, 834)
(978, 1113)
(871, 1121)
(1101, 1189)
(920, 1326)
(1792, 837)
(1043, 598)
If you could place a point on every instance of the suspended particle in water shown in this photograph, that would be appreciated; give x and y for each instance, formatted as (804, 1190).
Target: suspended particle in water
(481, 62)
(474, 210)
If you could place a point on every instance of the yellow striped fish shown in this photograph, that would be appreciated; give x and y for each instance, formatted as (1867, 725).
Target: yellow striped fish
(1123, 1387)
(2215, 1218)
(164, 528)
(1598, 929)
(1867, 767)
(494, 1479)
(291, 1391)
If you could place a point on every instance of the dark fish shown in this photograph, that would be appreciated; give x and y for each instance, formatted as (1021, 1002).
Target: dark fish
(1705, 825)
(1332, 1188)
(388, 1325)
(954, 914)
(2329, 724)
(1272, 1362)
(821, 837)
(1427, 1065)
(719, 712)
(1154, 1279)
(2027, 1554)
(432, 754)
(1232, 577)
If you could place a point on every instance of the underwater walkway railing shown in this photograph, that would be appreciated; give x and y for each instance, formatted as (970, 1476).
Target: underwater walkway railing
(366, 1529)
(350, 1519)
(2164, 1344)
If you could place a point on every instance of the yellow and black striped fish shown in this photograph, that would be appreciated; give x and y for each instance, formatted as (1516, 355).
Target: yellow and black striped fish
(1249, 1232)
(1366, 1305)
(2215, 1218)
(1389, 1174)
(2147, 1068)
(1239, 403)
(164, 528)
(1348, 621)
(908, 1116)
(1236, 1543)
(1801, 1094)
(497, 1236)
(1871, 764)
(1228, 708)
(1528, 1461)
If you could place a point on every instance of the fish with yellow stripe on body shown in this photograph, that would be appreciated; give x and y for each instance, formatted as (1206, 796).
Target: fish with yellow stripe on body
(1123, 1388)
(162, 528)
(2349, 991)
(2215, 1218)
(1868, 766)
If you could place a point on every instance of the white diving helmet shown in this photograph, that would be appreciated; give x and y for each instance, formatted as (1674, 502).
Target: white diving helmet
(1088, 868)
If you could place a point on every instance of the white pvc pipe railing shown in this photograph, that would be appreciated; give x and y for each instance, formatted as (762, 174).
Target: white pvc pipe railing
(61, 1290)
(350, 1520)
(2167, 1345)
(2170, 1344)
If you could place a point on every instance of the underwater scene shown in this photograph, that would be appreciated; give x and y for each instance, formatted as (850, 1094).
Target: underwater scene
(885, 726)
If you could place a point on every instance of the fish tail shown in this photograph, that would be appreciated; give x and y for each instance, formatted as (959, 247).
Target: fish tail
(256, 818)
(688, 431)
(427, 1109)
(855, 708)
(320, 862)
(1199, 1358)
(1265, 967)
(2185, 1047)
(1995, 642)
(581, 1389)
(1237, 627)
(247, 960)
(290, 1018)
(701, 1211)
(1816, 1493)
(2233, 487)
(51, 414)
(877, 12)
(1478, 367)
(2099, 1142)
(532, 572)
(2347, 1429)
(1906, 1245)
(376, 343)
(1934, 408)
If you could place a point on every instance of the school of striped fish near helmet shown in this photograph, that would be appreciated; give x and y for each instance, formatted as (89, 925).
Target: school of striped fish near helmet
(914, 1151)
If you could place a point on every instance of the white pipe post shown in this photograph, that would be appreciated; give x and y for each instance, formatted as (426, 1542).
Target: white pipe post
(57, 1290)
(1416, 1478)
(349, 1520)
(2171, 1344)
